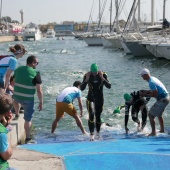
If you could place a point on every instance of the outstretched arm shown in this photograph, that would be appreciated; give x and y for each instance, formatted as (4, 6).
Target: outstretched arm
(80, 106)
(7, 78)
(40, 96)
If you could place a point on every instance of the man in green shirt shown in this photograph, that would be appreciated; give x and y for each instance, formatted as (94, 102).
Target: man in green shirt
(27, 82)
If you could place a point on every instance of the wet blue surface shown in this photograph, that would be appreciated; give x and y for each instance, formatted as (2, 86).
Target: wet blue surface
(111, 154)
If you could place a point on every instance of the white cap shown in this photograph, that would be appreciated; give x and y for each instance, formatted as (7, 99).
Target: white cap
(144, 71)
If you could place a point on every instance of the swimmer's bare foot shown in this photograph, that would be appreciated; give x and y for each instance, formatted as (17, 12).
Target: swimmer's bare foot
(152, 134)
(161, 131)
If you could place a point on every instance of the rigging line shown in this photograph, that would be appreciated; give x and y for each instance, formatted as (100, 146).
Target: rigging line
(91, 13)
(160, 67)
(102, 11)
(121, 4)
(120, 7)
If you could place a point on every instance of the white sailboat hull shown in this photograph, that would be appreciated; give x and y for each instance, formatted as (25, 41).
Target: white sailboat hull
(162, 50)
(93, 41)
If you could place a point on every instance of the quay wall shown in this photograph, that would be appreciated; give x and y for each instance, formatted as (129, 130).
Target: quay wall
(17, 134)
(9, 38)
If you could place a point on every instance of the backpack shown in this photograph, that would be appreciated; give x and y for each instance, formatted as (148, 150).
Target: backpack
(4, 56)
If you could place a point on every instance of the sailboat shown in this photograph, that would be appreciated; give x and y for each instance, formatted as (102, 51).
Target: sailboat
(94, 38)
(136, 42)
(161, 46)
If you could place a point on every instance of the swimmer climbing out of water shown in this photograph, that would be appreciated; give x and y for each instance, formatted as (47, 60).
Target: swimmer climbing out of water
(95, 80)
(138, 103)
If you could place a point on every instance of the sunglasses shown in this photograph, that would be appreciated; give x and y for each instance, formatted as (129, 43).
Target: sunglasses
(36, 63)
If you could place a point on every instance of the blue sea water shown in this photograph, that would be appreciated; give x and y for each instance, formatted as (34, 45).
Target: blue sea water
(61, 62)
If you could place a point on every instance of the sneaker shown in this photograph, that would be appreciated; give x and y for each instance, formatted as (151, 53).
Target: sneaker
(16, 117)
(21, 110)
(30, 141)
(91, 137)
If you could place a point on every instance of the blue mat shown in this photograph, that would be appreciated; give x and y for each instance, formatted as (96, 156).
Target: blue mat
(123, 154)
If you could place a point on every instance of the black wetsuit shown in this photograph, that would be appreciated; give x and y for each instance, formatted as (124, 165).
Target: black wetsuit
(95, 99)
(136, 103)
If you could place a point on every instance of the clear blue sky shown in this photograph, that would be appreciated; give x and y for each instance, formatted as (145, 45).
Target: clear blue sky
(44, 11)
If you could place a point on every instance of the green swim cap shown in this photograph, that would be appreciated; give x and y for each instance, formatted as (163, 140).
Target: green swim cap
(94, 68)
(116, 110)
(127, 97)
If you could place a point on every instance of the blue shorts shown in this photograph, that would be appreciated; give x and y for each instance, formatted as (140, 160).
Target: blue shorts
(28, 108)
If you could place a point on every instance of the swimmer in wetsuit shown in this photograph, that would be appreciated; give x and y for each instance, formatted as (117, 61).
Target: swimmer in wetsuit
(138, 103)
(95, 80)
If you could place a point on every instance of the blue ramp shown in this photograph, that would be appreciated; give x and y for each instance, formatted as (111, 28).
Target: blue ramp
(123, 154)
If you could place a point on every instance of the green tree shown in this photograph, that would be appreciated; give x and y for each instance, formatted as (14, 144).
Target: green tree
(6, 19)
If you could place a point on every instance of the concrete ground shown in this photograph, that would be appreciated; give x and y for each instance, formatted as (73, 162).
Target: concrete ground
(23, 159)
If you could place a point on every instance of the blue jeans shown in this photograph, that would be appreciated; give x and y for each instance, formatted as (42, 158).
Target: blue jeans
(11, 169)
(28, 106)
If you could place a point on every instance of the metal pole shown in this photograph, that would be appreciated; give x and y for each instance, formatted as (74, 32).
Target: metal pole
(152, 12)
(111, 16)
(164, 10)
(0, 11)
(139, 20)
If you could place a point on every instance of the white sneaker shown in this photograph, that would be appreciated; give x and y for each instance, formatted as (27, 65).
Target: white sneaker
(91, 137)
(30, 141)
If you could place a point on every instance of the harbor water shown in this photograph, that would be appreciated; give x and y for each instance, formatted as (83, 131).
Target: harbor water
(61, 62)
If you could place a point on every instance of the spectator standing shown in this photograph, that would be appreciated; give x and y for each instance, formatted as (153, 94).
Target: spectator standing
(27, 82)
(158, 91)
(8, 64)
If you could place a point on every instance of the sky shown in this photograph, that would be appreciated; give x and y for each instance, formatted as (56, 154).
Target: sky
(46, 11)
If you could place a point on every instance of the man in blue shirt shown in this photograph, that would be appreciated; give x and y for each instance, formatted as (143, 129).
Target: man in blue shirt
(158, 91)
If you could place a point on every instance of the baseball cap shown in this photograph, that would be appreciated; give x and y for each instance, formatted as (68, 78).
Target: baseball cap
(144, 71)
(127, 97)
(94, 68)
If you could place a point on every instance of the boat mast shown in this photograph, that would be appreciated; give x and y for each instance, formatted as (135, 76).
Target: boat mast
(1, 13)
(129, 17)
(152, 11)
(164, 10)
(110, 15)
(99, 15)
(139, 19)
